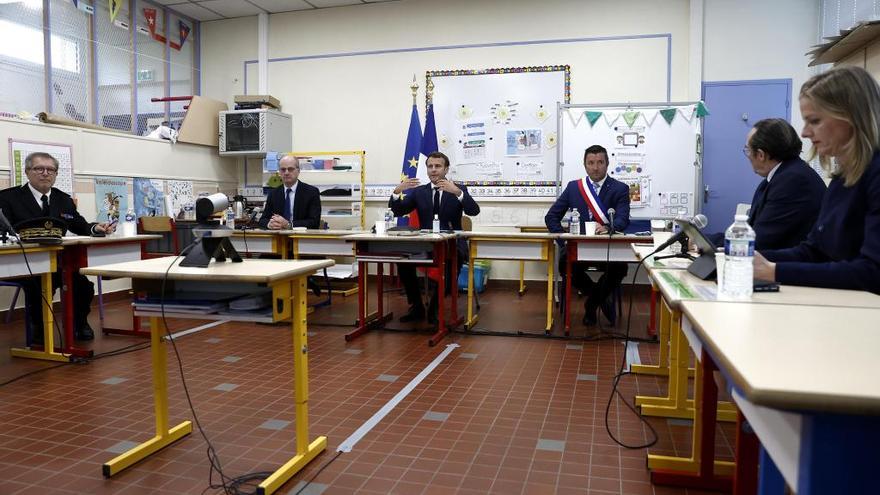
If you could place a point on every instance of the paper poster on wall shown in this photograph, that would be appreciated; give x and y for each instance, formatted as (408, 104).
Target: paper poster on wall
(180, 193)
(625, 162)
(483, 171)
(529, 170)
(111, 198)
(639, 191)
(473, 142)
(629, 137)
(19, 151)
(149, 197)
(523, 142)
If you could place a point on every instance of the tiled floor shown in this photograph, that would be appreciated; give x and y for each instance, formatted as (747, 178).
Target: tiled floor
(500, 415)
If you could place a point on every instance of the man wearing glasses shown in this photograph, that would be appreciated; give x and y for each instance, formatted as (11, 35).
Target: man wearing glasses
(294, 203)
(37, 199)
(786, 203)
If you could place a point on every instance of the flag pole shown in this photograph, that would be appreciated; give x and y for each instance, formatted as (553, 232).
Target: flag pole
(415, 88)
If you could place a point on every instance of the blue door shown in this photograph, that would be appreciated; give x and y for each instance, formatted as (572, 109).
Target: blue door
(734, 107)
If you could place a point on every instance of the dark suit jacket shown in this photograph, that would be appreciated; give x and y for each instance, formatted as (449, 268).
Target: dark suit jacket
(306, 206)
(18, 204)
(785, 209)
(421, 199)
(614, 194)
(842, 250)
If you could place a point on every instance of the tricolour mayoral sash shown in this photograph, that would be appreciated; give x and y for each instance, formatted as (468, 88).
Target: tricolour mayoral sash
(592, 200)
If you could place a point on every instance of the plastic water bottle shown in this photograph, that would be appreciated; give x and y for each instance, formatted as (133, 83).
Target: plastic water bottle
(129, 227)
(575, 226)
(435, 226)
(230, 218)
(739, 249)
(389, 219)
(566, 221)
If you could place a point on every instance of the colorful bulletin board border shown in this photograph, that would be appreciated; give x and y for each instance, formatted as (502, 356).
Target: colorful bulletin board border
(504, 70)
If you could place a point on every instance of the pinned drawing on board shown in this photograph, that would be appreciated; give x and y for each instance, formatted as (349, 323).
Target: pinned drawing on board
(464, 112)
(503, 113)
(542, 114)
(523, 142)
(550, 140)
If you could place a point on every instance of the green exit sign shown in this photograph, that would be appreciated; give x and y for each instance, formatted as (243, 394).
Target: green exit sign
(145, 75)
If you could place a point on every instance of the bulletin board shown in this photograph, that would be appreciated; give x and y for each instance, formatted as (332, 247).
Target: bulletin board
(20, 149)
(653, 148)
(499, 126)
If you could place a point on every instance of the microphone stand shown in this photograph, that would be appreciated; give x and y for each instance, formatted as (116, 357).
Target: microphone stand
(683, 252)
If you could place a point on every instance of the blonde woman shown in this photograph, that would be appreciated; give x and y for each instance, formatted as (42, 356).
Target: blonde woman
(841, 111)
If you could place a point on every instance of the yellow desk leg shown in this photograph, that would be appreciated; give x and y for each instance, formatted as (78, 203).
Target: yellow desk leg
(471, 318)
(522, 279)
(48, 353)
(692, 463)
(305, 451)
(550, 262)
(164, 436)
(662, 366)
(676, 403)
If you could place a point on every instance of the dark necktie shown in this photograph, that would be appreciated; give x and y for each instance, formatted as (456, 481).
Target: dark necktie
(758, 200)
(45, 200)
(286, 212)
(437, 201)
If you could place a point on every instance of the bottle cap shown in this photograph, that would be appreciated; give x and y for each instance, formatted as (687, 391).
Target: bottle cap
(741, 218)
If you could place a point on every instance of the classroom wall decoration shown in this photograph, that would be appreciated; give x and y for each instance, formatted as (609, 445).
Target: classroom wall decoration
(498, 126)
(149, 197)
(111, 198)
(20, 149)
(658, 158)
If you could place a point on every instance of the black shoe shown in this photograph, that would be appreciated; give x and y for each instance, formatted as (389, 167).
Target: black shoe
(316, 289)
(37, 338)
(84, 332)
(415, 313)
(609, 310)
(589, 315)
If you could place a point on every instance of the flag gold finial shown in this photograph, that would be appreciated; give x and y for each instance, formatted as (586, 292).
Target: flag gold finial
(415, 88)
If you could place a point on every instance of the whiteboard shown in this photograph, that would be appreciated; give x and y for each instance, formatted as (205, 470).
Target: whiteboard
(499, 126)
(19, 150)
(660, 161)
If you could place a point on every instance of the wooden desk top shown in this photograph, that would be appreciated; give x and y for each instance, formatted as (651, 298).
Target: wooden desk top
(532, 228)
(679, 285)
(421, 237)
(10, 248)
(326, 233)
(642, 250)
(604, 237)
(110, 239)
(809, 358)
(510, 235)
(249, 270)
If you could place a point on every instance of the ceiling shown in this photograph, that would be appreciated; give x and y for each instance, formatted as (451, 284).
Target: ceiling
(211, 10)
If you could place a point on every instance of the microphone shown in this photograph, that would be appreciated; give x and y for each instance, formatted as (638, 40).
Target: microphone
(256, 211)
(699, 221)
(5, 224)
(611, 212)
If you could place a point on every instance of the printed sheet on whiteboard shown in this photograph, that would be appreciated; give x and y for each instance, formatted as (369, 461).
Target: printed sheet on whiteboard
(19, 150)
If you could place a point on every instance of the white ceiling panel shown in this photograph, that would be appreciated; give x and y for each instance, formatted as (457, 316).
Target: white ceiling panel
(232, 8)
(196, 12)
(169, 2)
(276, 6)
(334, 3)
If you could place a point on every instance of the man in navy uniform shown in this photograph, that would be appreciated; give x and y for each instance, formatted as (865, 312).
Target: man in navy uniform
(38, 198)
(440, 197)
(593, 196)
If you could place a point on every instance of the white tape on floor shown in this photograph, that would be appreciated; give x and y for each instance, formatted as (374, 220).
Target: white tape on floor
(632, 354)
(365, 428)
(196, 329)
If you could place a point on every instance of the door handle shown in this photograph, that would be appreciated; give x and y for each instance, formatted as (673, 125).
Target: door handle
(706, 193)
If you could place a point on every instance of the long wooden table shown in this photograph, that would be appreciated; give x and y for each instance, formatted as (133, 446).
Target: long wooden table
(511, 246)
(384, 248)
(288, 282)
(34, 260)
(805, 378)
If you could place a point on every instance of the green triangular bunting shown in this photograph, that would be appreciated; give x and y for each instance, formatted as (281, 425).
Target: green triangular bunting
(630, 118)
(668, 115)
(592, 117)
(702, 111)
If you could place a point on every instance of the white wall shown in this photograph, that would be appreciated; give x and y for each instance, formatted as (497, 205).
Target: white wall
(363, 102)
(755, 39)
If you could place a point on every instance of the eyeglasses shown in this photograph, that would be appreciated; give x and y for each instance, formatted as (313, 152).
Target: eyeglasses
(747, 151)
(287, 169)
(44, 170)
